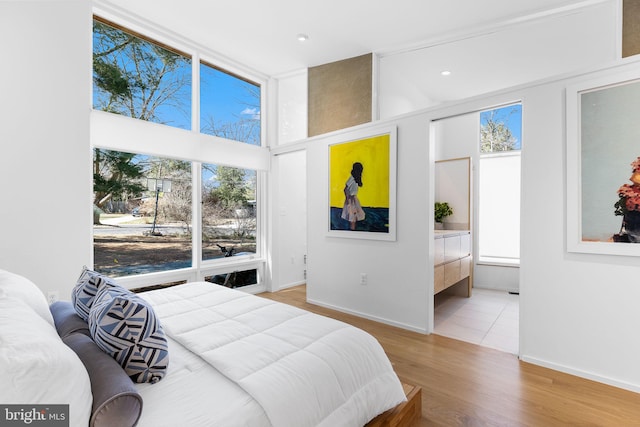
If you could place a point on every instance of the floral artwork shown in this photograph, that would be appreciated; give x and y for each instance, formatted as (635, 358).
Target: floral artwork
(628, 206)
(602, 140)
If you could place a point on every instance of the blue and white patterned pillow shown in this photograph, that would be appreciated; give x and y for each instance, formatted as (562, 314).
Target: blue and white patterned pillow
(125, 326)
(85, 290)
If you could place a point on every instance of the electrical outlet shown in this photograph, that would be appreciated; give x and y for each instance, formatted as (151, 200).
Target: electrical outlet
(53, 296)
(363, 279)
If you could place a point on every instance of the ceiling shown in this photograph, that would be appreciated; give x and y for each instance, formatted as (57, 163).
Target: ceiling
(263, 34)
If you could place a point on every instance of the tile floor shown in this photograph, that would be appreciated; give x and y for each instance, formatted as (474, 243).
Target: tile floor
(489, 318)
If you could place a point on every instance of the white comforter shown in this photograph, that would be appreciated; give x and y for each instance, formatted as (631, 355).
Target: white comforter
(303, 369)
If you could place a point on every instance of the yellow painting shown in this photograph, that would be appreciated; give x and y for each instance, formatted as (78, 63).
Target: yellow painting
(359, 184)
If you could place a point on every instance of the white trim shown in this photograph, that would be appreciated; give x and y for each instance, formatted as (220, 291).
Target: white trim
(132, 135)
(368, 316)
(619, 29)
(580, 373)
(290, 285)
(375, 87)
(499, 262)
(195, 93)
(493, 27)
(262, 225)
(196, 220)
(156, 278)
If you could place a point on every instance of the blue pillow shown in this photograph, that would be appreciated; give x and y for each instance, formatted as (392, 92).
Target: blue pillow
(85, 291)
(125, 326)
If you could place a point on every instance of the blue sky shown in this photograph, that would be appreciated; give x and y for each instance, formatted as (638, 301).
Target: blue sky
(223, 96)
(511, 116)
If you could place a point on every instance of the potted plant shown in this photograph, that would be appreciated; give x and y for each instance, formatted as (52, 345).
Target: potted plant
(441, 211)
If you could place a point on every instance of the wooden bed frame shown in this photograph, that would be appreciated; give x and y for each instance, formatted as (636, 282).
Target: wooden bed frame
(406, 414)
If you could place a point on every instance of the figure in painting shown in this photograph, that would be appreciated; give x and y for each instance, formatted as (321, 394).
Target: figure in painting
(352, 210)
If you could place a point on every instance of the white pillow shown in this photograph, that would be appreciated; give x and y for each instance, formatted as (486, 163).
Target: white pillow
(14, 285)
(36, 367)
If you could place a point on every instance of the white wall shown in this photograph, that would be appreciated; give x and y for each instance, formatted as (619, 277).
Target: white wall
(45, 165)
(292, 107)
(578, 312)
(289, 219)
(288, 197)
(452, 185)
(398, 272)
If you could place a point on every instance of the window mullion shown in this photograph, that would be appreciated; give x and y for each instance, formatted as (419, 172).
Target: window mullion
(196, 217)
(195, 93)
(196, 168)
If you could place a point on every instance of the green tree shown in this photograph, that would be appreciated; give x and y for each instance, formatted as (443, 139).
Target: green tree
(175, 205)
(232, 191)
(136, 78)
(116, 175)
(227, 197)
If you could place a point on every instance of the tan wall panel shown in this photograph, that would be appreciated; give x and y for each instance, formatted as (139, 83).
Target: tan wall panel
(630, 28)
(340, 94)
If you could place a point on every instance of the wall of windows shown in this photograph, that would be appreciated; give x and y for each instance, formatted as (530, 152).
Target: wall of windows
(169, 202)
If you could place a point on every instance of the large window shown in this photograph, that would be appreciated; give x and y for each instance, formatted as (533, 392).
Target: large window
(229, 106)
(172, 210)
(142, 213)
(229, 220)
(138, 78)
(499, 185)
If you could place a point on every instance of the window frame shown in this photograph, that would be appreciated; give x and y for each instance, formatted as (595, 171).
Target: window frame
(496, 260)
(201, 148)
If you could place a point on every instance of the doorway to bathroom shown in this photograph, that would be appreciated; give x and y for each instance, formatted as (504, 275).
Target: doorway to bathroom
(492, 139)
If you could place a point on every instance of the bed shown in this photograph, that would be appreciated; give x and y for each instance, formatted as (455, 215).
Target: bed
(218, 356)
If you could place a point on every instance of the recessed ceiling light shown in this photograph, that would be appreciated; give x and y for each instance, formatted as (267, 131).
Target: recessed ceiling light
(445, 73)
(302, 37)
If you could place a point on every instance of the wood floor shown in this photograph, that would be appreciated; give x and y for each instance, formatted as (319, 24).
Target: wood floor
(467, 385)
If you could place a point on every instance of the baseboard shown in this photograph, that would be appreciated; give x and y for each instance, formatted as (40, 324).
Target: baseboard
(582, 374)
(368, 316)
(290, 285)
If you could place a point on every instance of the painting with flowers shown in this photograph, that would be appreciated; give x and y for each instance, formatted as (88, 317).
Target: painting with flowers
(603, 165)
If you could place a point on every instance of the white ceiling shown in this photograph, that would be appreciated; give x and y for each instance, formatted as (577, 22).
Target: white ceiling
(262, 34)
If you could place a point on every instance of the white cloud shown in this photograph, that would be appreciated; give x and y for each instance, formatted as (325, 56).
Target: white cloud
(253, 112)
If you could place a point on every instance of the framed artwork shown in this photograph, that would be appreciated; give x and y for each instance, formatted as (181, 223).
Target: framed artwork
(362, 186)
(603, 165)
